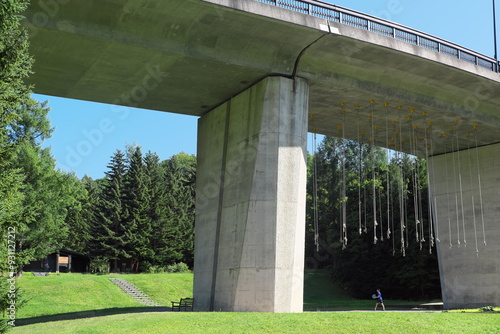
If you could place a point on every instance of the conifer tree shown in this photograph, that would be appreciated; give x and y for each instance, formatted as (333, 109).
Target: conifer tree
(108, 228)
(136, 201)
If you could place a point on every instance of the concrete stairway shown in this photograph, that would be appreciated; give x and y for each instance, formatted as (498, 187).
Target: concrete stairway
(134, 292)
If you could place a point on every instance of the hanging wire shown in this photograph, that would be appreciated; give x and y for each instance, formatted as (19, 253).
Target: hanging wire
(447, 191)
(460, 182)
(453, 154)
(411, 135)
(401, 187)
(434, 206)
(429, 196)
(480, 186)
(472, 194)
(374, 194)
(360, 154)
(315, 188)
(344, 196)
(387, 178)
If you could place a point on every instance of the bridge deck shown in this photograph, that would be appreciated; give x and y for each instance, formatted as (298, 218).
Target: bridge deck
(189, 56)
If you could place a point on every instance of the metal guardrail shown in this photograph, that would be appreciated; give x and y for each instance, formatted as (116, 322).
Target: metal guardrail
(363, 21)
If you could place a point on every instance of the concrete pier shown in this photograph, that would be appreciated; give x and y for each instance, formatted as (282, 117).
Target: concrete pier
(469, 263)
(250, 202)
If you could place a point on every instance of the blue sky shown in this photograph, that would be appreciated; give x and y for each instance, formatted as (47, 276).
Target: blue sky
(87, 134)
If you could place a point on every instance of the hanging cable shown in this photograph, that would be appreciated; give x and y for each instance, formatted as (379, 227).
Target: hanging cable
(315, 186)
(480, 187)
(453, 153)
(434, 206)
(460, 183)
(472, 195)
(447, 191)
(360, 154)
(344, 195)
(387, 177)
(429, 197)
(374, 196)
(401, 186)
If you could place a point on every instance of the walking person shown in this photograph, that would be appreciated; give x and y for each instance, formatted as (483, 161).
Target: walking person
(380, 300)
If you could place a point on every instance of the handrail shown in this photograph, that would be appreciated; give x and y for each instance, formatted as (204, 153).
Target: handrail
(367, 22)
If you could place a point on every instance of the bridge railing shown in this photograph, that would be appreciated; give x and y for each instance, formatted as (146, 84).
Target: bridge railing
(363, 21)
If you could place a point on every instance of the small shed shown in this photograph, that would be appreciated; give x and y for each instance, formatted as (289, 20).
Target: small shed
(64, 260)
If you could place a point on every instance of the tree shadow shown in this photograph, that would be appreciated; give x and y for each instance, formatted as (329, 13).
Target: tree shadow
(89, 314)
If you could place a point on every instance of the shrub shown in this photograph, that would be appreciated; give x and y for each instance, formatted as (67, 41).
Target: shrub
(487, 309)
(99, 264)
(177, 268)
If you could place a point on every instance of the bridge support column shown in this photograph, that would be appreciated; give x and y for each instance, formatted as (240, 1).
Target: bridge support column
(250, 200)
(469, 269)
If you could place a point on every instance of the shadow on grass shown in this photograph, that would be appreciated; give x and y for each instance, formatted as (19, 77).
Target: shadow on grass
(89, 314)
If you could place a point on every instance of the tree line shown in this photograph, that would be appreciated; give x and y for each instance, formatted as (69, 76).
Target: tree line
(373, 227)
(142, 212)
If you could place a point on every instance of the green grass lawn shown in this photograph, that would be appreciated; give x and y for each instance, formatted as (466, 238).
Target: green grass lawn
(65, 293)
(76, 296)
(321, 294)
(318, 322)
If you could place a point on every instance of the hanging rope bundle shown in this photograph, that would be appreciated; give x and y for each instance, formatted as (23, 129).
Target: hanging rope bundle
(433, 203)
(472, 196)
(374, 195)
(447, 192)
(453, 154)
(479, 183)
(460, 182)
(401, 186)
(315, 187)
(360, 147)
(429, 196)
(387, 178)
(344, 195)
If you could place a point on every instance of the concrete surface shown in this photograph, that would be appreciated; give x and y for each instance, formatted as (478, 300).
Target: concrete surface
(468, 251)
(250, 205)
(189, 56)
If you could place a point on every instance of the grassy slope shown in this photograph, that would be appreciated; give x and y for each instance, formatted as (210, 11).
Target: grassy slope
(66, 293)
(344, 322)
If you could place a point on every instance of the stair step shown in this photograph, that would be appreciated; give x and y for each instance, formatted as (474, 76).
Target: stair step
(132, 291)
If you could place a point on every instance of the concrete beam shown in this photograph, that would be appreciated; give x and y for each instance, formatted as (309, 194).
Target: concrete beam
(189, 56)
(250, 201)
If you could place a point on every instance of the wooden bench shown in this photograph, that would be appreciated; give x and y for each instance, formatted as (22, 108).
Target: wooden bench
(185, 303)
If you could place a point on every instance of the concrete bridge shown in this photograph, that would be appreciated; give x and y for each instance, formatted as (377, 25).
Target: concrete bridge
(260, 74)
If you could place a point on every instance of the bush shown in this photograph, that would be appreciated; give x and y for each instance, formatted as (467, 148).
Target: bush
(487, 309)
(178, 268)
(99, 264)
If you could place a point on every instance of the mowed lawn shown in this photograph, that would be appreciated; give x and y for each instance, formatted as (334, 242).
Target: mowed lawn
(317, 322)
(66, 293)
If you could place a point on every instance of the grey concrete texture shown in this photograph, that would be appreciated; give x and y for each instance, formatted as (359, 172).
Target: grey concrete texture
(465, 186)
(189, 56)
(250, 210)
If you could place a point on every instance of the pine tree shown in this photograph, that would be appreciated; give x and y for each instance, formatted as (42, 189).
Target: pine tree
(157, 213)
(136, 200)
(108, 228)
(81, 215)
(15, 66)
(180, 181)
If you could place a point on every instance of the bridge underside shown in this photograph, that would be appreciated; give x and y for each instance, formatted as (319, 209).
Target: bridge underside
(203, 58)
